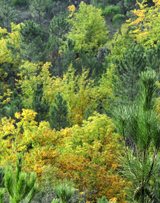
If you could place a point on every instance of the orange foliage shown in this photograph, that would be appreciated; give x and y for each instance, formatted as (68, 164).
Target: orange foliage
(86, 154)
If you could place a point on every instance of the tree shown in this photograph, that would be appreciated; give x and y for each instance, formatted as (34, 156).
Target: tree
(33, 41)
(38, 9)
(57, 31)
(88, 34)
(88, 29)
(58, 113)
(7, 13)
(9, 60)
(139, 125)
(128, 69)
(39, 105)
(145, 26)
(114, 13)
(20, 185)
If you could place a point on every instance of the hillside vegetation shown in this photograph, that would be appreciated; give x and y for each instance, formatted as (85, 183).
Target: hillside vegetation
(79, 101)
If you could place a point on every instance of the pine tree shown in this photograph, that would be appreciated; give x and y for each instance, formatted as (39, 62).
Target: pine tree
(33, 41)
(139, 125)
(7, 13)
(128, 70)
(58, 113)
(39, 105)
(20, 185)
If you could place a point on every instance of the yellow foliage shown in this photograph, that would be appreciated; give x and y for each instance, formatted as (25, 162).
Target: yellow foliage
(9, 53)
(157, 2)
(12, 38)
(140, 14)
(3, 31)
(145, 28)
(87, 154)
(113, 200)
(80, 92)
(71, 8)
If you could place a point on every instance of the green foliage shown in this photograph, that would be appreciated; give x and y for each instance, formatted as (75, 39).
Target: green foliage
(58, 28)
(88, 29)
(2, 192)
(58, 113)
(20, 2)
(1, 177)
(139, 124)
(128, 70)
(111, 10)
(121, 71)
(56, 201)
(38, 9)
(138, 115)
(129, 4)
(19, 185)
(33, 39)
(64, 192)
(118, 18)
(102, 200)
(39, 105)
(7, 13)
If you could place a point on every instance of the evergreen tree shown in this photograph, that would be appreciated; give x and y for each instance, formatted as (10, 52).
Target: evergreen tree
(128, 71)
(38, 9)
(39, 104)
(33, 41)
(7, 13)
(58, 113)
(57, 30)
(139, 125)
(20, 185)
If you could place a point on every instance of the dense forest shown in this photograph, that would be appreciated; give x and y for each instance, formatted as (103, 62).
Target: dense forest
(80, 101)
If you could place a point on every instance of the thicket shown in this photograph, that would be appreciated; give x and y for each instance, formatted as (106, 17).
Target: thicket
(79, 101)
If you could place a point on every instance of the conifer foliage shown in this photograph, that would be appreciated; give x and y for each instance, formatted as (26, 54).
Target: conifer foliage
(20, 185)
(58, 113)
(139, 125)
(68, 70)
